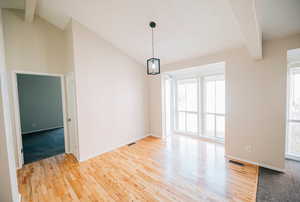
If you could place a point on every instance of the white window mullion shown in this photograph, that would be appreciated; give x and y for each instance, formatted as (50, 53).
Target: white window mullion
(172, 110)
(185, 128)
(215, 132)
(202, 98)
(176, 106)
(198, 107)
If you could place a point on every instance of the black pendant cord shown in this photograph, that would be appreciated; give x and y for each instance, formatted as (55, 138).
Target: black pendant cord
(152, 43)
(153, 64)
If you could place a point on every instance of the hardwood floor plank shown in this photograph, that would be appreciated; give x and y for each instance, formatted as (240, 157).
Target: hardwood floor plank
(179, 169)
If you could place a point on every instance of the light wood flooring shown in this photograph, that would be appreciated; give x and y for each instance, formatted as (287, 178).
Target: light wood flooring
(179, 169)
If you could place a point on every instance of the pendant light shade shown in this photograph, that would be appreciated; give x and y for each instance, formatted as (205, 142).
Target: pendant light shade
(153, 64)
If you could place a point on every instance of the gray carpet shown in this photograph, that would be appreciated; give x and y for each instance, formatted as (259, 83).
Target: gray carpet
(279, 187)
(41, 145)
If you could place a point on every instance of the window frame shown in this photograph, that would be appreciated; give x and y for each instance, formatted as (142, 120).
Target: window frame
(201, 98)
(290, 95)
(177, 111)
(216, 77)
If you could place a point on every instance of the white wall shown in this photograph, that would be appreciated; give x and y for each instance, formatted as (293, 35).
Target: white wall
(111, 94)
(33, 47)
(8, 179)
(115, 111)
(256, 101)
(37, 46)
(69, 48)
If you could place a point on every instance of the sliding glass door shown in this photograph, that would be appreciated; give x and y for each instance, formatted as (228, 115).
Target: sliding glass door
(200, 106)
(293, 122)
(214, 106)
(186, 106)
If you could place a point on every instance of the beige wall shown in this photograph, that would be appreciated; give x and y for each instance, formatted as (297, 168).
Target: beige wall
(256, 101)
(68, 34)
(114, 111)
(8, 178)
(33, 47)
(111, 95)
(37, 46)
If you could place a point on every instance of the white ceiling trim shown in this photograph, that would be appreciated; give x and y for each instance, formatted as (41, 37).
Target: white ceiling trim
(245, 13)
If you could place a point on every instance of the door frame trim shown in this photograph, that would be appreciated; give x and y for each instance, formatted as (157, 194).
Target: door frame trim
(17, 119)
(74, 149)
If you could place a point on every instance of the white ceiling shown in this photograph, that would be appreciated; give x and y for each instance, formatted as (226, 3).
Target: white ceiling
(278, 18)
(186, 29)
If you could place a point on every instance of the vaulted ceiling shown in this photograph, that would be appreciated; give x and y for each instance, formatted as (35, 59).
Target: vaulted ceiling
(186, 29)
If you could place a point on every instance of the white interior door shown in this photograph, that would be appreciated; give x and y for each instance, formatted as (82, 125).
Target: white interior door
(71, 113)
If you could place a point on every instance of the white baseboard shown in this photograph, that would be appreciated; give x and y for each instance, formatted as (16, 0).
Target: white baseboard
(35, 131)
(154, 135)
(116, 147)
(294, 158)
(256, 163)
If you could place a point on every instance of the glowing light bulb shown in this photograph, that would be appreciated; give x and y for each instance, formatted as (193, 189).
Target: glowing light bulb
(153, 65)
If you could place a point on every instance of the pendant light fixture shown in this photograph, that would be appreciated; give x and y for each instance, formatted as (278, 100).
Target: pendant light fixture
(153, 64)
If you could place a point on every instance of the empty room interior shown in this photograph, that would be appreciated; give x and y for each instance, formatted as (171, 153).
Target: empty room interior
(140, 100)
(41, 116)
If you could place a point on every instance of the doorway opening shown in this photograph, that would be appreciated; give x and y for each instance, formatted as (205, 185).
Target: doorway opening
(194, 102)
(40, 114)
(293, 105)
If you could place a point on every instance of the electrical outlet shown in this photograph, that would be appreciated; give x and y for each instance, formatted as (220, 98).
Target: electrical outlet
(33, 125)
(248, 148)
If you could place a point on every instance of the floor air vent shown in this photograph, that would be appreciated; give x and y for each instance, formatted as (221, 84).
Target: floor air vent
(236, 163)
(130, 144)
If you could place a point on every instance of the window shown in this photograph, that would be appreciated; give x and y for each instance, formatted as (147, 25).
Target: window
(200, 106)
(214, 106)
(293, 123)
(187, 106)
